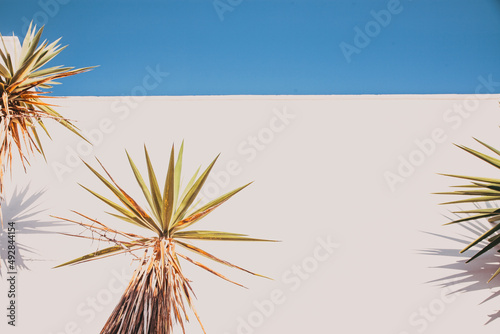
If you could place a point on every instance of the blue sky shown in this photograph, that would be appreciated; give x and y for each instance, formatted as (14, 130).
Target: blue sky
(213, 47)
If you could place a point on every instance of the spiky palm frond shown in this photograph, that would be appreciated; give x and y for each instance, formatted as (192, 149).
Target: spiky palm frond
(23, 84)
(158, 293)
(482, 189)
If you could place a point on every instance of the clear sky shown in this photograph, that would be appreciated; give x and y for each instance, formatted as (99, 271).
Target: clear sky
(213, 47)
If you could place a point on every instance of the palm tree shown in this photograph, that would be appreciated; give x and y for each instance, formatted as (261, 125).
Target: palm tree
(483, 189)
(23, 88)
(158, 294)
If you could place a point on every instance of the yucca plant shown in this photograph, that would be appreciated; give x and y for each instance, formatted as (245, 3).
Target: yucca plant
(158, 295)
(482, 189)
(23, 87)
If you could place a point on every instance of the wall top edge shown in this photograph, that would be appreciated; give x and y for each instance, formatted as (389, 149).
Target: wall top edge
(299, 97)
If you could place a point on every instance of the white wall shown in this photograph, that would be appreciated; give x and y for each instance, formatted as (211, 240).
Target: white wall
(12, 46)
(320, 171)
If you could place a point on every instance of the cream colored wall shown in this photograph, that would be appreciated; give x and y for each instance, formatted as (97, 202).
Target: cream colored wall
(12, 45)
(344, 181)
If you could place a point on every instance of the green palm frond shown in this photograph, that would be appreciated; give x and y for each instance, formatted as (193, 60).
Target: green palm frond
(24, 81)
(158, 280)
(481, 189)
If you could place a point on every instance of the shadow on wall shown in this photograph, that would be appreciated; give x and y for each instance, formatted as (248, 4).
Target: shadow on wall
(22, 209)
(472, 276)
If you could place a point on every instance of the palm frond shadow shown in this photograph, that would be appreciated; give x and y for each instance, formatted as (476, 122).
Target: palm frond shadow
(472, 276)
(23, 208)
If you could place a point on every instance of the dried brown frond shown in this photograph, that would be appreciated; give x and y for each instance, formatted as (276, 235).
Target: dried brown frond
(156, 297)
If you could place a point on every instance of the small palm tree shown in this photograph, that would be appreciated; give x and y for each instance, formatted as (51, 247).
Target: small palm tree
(23, 84)
(483, 189)
(158, 293)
